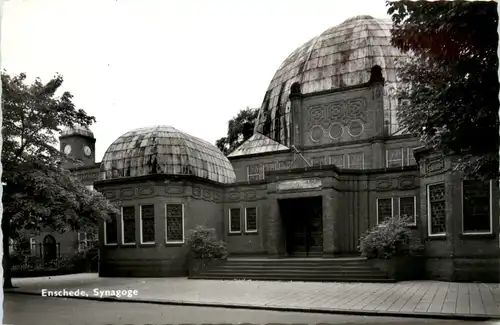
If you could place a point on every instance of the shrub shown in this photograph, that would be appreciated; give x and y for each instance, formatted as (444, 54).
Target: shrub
(391, 237)
(203, 244)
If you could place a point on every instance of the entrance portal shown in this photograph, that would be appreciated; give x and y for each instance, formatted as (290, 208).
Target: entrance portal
(49, 249)
(303, 220)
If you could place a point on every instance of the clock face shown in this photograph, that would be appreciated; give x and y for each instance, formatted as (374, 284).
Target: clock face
(87, 151)
(67, 149)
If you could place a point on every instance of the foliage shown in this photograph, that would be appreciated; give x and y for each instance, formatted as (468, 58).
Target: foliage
(449, 84)
(38, 192)
(240, 128)
(390, 237)
(204, 244)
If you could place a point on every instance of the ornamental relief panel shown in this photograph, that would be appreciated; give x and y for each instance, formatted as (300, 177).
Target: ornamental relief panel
(127, 193)
(146, 191)
(433, 165)
(333, 120)
(174, 190)
(386, 183)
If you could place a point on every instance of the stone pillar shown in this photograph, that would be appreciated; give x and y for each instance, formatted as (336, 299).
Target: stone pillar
(378, 154)
(329, 215)
(274, 234)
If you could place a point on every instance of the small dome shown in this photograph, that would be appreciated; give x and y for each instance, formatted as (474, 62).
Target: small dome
(164, 150)
(77, 130)
(339, 57)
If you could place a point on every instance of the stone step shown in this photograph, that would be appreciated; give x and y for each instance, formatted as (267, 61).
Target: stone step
(297, 267)
(263, 277)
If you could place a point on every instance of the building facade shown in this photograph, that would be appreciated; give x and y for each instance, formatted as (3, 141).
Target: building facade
(327, 162)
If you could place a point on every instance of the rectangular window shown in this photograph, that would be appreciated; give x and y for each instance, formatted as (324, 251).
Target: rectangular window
(174, 223)
(408, 208)
(476, 207)
(33, 246)
(147, 224)
(234, 221)
(337, 160)
(436, 212)
(111, 231)
(82, 241)
(251, 220)
(410, 157)
(269, 167)
(356, 160)
(128, 225)
(384, 210)
(285, 164)
(394, 157)
(254, 173)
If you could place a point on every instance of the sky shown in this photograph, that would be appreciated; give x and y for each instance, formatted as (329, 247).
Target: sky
(190, 64)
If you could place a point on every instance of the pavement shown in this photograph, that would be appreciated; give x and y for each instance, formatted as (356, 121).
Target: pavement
(430, 299)
(29, 310)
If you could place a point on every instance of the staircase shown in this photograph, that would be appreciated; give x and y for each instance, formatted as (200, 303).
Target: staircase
(296, 269)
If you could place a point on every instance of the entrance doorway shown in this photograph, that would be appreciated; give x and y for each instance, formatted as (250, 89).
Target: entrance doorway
(49, 249)
(303, 221)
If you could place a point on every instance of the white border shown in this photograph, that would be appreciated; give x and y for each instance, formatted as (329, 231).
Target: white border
(311, 133)
(410, 150)
(258, 174)
(256, 220)
(123, 228)
(387, 158)
(429, 210)
(166, 225)
(140, 224)
(362, 129)
(234, 232)
(80, 240)
(349, 159)
(414, 223)
(491, 212)
(33, 245)
(106, 237)
(330, 131)
(392, 206)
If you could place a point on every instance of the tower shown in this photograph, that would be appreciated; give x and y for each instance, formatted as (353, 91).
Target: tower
(78, 143)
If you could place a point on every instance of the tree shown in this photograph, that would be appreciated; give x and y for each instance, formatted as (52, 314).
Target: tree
(37, 191)
(239, 129)
(450, 81)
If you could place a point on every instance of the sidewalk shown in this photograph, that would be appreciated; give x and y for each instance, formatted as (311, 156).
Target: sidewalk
(411, 298)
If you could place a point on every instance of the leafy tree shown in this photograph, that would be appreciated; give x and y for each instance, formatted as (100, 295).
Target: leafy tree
(240, 128)
(37, 192)
(450, 80)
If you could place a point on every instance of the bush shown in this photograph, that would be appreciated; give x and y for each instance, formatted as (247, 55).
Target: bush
(391, 237)
(204, 244)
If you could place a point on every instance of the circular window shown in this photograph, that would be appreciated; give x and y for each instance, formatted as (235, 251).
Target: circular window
(317, 133)
(336, 131)
(356, 128)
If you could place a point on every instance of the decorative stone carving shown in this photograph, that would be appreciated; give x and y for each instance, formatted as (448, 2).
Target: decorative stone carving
(110, 195)
(336, 131)
(233, 196)
(317, 133)
(342, 112)
(217, 197)
(434, 164)
(356, 128)
(207, 195)
(406, 182)
(174, 190)
(146, 191)
(384, 183)
(284, 164)
(196, 191)
(127, 193)
(86, 175)
(299, 184)
(250, 195)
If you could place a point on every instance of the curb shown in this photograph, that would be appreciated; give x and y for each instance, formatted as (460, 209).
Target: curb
(471, 317)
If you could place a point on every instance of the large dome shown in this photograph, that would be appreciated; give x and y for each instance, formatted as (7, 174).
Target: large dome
(339, 57)
(164, 150)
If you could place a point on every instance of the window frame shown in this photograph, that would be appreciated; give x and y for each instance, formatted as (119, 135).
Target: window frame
(230, 231)
(330, 160)
(33, 245)
(259, 173)
(183, 225)
(469, 233)
(106, 236)
(349, 159)
(409, 152)
(256, 221)
(387, 158)
(140, 225)
(85, 241)
(429, 216)
(392, 207)
(123, 227)
(414, 222)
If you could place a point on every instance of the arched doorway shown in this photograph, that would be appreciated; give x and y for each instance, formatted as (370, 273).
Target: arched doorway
(49, 249)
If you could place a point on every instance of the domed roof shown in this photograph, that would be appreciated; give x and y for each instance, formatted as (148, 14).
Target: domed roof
(164, 150)
(76, 130)
(339, 57)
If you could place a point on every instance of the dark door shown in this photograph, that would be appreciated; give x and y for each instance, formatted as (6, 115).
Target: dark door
(49, 249)
(304, 226)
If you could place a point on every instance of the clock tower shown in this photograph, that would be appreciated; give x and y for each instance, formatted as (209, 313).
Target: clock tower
(78, 143)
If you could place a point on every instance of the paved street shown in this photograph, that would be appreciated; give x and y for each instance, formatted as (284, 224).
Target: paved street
(391, 299)
(33, 310)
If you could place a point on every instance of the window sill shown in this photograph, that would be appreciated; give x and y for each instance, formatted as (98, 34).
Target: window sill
(477, 236)
(174, 244)
(234, 234)
(436, 238)
(250, 233)
(134, 245)
(110, 245)
(146, 245)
